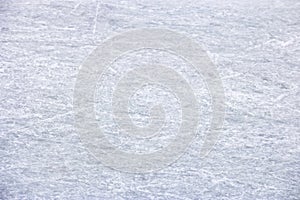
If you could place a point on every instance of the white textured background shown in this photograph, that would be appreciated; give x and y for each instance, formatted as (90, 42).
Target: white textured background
(255, 47)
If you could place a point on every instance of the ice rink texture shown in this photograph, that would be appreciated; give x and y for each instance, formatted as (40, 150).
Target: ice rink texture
(254, 46)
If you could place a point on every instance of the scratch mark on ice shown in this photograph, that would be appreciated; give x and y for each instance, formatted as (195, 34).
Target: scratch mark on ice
(95, 20)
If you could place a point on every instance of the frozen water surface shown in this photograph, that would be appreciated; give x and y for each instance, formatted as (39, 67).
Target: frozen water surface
(255, 47)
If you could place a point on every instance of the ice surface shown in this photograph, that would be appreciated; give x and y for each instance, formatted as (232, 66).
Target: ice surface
(255, 47)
